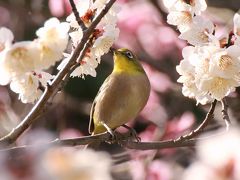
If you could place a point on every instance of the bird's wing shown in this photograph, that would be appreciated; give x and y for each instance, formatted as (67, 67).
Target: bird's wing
(101, 90)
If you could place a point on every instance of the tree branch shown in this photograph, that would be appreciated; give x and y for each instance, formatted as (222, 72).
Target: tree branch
(53, 86)
(202, 126)
(225, 113)
(76, 14)
(123, 140)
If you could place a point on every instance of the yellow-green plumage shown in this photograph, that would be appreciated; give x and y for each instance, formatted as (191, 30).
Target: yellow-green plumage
(123, 94)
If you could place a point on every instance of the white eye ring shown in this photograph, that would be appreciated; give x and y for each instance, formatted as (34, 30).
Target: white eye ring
(129, 54)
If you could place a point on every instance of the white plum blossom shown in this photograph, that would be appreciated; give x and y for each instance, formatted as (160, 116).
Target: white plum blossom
(102, 44)
(103, 38)
(192, 68)
(189, 89)
(199, 31)
(85, 69)
(193, 6)
(87, 66)
(21, 58)
(28, 85)
(111, 17)
(21, 63)
(52, 40)
(223, 76)
(181, 19)
(82, 7)
(209, 72)
(181, 12)
(75, 164)
(225, 63)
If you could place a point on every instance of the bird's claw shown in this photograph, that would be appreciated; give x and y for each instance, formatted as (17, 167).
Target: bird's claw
(133, 133)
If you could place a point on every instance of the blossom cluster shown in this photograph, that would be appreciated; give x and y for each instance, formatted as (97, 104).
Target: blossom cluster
(103, 37)
(23, 64)
(210, 66)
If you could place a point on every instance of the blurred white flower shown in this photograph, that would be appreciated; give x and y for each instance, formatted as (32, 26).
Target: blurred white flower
(71, 164)
(236, 28)
(53, 40)
(199, 171)
(53, 31)
(199, 31)
(236, 23)
(28, 85)
(219, 157)
(5, 77)
(6, 38)
(20, 58)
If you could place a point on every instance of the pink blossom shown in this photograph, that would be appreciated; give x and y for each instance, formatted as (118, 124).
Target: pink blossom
(153, 110)
(70, 133)
(59, 8)
(160, 82)
(159, 170)
(177, 126)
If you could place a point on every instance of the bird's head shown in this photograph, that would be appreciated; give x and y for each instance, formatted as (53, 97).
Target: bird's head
(126, 61)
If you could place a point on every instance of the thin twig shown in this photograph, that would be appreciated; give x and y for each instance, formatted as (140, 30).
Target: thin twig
(76, 14)
(225, 113)
(53, 86)
(202, 126)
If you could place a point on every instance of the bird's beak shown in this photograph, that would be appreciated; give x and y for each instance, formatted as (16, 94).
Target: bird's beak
(112, 50)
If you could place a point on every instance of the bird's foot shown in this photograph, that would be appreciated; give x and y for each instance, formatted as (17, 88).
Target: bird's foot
(114, 136)
(133, 133)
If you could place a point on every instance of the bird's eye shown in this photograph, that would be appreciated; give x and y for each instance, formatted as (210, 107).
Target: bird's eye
(129, 54)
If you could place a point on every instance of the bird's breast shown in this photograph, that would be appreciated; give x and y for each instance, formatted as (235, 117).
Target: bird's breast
(122, 100)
